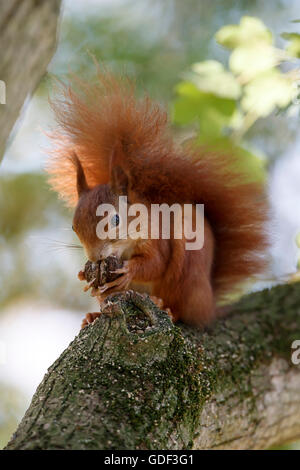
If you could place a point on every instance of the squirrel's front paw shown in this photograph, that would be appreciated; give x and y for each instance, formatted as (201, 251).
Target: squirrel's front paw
(89, 318)
(121, 283)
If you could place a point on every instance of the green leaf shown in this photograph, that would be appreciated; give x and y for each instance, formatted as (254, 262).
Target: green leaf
(249, 30)
(268, 91)
(251, 60)
(290, 35)
(293, 48)
(210, 112)
(210, 76)
(250, 161)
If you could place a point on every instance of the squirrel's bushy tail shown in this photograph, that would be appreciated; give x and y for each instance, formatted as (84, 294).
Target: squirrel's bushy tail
(93, 119)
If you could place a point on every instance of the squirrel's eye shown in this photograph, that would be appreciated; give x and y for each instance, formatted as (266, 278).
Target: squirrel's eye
(115, 220)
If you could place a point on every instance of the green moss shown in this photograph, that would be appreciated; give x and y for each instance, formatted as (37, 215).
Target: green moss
(145, 388)
(261, 326)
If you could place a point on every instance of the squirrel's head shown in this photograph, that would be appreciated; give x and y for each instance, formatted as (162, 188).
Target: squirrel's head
(99, 215)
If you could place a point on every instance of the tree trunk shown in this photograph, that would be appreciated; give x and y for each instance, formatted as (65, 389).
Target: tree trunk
(27, 37)
(133, 380)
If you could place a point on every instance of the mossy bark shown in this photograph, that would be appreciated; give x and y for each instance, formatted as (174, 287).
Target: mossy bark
(133, 380)
(28, 37)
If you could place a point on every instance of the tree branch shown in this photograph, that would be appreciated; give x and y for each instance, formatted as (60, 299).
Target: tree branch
(133, 380)
(28, 37)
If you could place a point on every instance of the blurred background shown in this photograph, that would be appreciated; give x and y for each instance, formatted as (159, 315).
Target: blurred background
(157, 42)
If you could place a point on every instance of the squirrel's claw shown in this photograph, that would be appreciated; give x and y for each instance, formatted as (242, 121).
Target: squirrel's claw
(123, 270)
(119, 284)
(90, 284)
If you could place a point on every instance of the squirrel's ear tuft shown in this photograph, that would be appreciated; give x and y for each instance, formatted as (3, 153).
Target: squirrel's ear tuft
(82, 186)
(118, 178)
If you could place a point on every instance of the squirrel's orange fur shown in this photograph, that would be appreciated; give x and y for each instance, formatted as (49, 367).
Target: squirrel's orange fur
(95, 120)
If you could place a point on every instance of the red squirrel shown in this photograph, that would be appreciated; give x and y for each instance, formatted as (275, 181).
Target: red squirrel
(109, 143)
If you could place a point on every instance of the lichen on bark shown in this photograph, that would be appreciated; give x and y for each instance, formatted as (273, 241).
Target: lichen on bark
(133, 380)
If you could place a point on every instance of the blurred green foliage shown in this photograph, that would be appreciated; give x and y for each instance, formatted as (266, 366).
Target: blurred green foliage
(156, 41)
(25, 204)
(153, 41)
(11, 410)
(293, 47)
(28, 210)
(223, 103)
